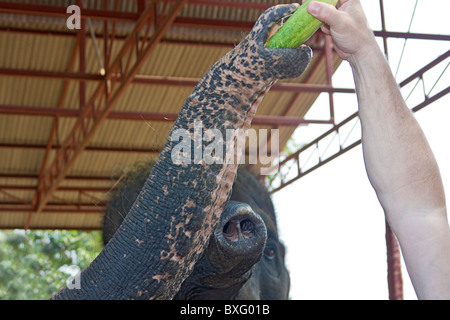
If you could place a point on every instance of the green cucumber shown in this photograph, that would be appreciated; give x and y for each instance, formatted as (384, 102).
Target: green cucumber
(297, 29)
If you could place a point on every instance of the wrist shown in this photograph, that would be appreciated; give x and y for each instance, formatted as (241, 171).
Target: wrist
(366, 55)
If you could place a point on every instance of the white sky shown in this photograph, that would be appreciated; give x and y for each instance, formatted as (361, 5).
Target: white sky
(330, 220)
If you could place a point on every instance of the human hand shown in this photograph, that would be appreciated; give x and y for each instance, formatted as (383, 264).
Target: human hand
(347, 25)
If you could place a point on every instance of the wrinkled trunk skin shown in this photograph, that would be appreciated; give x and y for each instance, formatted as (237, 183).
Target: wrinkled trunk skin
(169, 224)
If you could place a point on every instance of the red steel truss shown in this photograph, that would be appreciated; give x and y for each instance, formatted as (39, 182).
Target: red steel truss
(315, 150)
(103, 99)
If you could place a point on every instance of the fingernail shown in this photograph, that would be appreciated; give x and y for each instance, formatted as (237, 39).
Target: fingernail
(313, 8)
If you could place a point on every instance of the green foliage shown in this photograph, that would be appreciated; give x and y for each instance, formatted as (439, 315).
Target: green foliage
(35, 264)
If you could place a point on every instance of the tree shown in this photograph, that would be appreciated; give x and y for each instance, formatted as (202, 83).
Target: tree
(35, 264)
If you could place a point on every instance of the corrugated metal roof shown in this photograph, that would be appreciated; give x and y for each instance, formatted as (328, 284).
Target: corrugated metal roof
(43, 43)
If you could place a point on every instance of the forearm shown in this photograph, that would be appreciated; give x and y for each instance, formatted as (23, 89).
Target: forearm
(404, 174)
(399, 161)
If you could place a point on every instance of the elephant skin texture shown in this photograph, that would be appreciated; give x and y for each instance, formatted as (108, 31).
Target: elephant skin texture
(244, 258)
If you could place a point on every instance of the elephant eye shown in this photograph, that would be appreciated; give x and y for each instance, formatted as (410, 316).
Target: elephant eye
(269, 253)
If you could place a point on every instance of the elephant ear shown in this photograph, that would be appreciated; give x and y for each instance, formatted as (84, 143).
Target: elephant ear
(123, 196)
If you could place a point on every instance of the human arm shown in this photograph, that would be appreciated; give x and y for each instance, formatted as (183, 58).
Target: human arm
(399, 162)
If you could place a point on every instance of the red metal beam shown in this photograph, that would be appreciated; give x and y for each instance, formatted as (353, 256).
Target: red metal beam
(429, 100)
(148, 116)
(162, 80)
(394, 271)
(20, 205)
(64, 112)
(419, 73)
(231, 4)
(55, 11)
(412, 35)
(278, 87)
(71, 34)
(82, 58)
(34, 146)
(92, 209)
(208, 24)
(19, 175)
(57, 75)
(383, 28)
(53, 227)
(329, 71)
(31, 9)
(76, 188)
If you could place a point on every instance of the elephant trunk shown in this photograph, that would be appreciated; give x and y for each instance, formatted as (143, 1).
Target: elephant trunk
(238, 240)
(172, 219)
(235, 246)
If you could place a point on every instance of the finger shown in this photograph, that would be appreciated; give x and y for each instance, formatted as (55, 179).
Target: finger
(324, 12)
(341, 2)
(325, 29)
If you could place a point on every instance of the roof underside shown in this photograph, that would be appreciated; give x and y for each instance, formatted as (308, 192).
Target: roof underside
(45, 69)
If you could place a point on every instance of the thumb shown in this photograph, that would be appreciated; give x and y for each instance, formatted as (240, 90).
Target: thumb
(324, 12)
